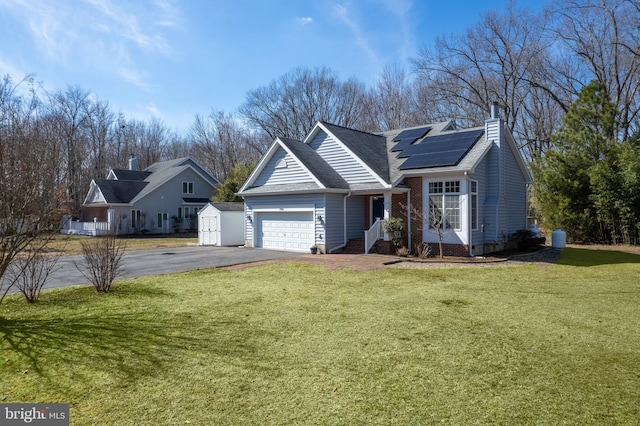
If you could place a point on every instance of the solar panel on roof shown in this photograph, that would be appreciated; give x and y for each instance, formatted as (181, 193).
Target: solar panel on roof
(439, 151)
(407, 137)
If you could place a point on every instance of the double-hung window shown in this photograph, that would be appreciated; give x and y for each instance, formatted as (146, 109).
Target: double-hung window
(444, 205)
(136, 219)
(187, 187)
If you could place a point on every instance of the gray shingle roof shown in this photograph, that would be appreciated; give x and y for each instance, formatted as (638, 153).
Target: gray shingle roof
(466, 163)
(122, 174)
(315, 163)
(370, 148)
(119, 191)
(130, 184)
(228, 206)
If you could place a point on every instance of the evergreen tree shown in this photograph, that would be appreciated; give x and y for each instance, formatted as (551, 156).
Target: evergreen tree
(581, 149)
(232, 184)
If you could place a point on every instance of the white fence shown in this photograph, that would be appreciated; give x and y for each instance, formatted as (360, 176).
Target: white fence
(86, 228)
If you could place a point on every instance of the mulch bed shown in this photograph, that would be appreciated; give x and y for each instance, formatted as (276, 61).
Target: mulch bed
(362, 262)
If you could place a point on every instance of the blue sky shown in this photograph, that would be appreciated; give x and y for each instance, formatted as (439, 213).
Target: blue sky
(174, 59)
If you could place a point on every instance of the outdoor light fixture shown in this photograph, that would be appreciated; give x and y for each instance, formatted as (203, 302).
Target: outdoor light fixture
(319, 218)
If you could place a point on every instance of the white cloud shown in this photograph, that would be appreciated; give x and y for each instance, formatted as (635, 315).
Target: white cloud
(97, 34)
(137, 78)
(305, 20)
(155, 111)
(401, 10)
(7, 68)
(342, 13)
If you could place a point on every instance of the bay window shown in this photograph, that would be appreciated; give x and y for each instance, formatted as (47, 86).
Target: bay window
(444, 205)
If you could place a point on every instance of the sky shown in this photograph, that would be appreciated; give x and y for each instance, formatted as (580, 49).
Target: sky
(173, 59)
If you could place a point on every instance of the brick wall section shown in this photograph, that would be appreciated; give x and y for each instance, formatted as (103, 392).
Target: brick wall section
(459, 250)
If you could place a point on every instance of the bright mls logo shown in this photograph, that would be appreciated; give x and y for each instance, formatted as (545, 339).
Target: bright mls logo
(34, 414)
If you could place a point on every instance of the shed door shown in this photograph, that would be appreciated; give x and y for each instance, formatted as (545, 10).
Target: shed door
(210, 230)
(293, 231)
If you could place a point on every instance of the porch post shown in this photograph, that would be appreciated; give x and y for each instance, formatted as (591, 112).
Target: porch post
(387, 211)
(111, 220)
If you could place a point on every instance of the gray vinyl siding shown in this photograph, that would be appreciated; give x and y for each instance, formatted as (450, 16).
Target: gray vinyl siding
(334, 221)
(336, 155)
(492, 199)
(285, 201)
(480, 176)
(515, 194)
(355, 217)
(271, 175)
(506, 201)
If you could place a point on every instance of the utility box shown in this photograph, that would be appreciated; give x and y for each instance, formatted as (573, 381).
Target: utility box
(221, 224)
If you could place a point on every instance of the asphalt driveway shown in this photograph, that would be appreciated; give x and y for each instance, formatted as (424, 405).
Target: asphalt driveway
(138, 263)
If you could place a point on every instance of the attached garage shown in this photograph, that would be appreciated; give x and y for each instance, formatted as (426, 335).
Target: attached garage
(221, 224)
(294, 231)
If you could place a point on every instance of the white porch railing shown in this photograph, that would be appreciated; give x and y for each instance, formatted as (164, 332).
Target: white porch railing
(372, 235)
(86, 228)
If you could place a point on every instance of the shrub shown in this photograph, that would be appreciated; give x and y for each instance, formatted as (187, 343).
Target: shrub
(395, 228)
(525, 240)
(102, 257)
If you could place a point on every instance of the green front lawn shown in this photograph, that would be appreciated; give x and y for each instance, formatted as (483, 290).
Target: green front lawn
(297, 344)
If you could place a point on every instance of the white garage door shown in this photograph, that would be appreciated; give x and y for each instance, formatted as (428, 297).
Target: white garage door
(286, 231)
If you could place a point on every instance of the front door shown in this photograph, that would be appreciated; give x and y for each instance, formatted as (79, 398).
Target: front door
(377, 209)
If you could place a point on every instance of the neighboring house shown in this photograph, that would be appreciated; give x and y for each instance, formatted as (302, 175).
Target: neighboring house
(165, 197)
(337, 183)
(221, 224)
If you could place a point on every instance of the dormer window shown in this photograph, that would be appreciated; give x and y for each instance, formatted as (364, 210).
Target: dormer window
(187, 187)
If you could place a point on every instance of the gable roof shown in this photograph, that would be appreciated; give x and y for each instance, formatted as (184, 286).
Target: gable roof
(369, 147)
(123, 174)
(380, 154)
(119, 191)
(128, 186)
(316, 165)
(322, 175)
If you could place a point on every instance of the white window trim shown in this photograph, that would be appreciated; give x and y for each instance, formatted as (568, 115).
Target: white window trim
(471, 205)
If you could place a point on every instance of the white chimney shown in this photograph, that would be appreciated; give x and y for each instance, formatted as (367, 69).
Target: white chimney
(133, 163)
(495, 112)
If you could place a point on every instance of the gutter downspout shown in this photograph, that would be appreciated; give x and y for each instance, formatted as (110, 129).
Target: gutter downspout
(469, 228)
(344, 222)
(409, 220)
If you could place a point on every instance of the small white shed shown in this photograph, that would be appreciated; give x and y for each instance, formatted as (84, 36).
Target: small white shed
(221, 224)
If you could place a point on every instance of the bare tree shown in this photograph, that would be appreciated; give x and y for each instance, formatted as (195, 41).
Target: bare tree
(392, 101)
(498, 59)
(603, 37)
(220, 142)
(437, 217)
(32, 201)
(68, 112)
(100, 128)
(291, 104)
